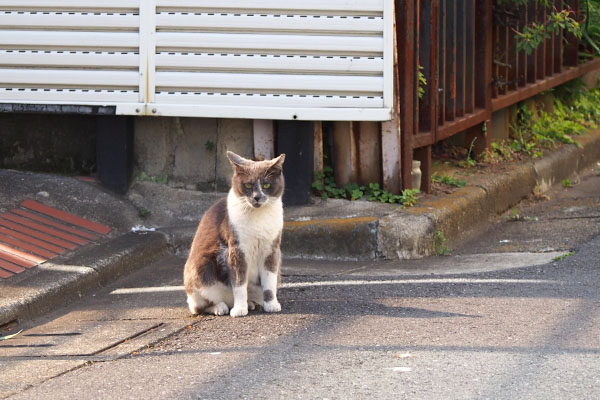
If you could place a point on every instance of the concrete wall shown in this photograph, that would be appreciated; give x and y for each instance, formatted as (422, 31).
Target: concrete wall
(48, 142)
(184, 152)
(190, 152)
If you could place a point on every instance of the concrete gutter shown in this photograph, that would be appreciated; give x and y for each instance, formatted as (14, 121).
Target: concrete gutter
(409, 233)
(50, 285)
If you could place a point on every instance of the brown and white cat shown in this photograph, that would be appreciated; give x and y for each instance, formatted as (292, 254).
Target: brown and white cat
(235, 257)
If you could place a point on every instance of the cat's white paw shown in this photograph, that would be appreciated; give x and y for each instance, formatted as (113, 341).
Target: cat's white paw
(218, 309)
(272, 306)
(238, 311)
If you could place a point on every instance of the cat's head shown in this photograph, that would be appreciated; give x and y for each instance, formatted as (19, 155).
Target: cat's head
(258, 182)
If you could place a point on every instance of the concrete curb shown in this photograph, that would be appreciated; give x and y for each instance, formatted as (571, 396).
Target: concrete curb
(409, 233)
(53, 284)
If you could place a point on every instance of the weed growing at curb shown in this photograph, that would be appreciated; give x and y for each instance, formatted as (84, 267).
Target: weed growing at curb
(448, 180)
(144, 213)
(516, 217)
(325, 187)
(439, 244)
(567, 183)
(563, 256)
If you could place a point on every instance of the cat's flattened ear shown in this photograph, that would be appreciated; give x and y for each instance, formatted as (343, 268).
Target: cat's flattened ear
(237, 161)
(277, 164)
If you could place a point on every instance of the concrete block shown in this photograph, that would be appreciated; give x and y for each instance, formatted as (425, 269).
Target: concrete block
(195, 151)
(404, 236)
(332, 238)
(151, 145)
(234, 135)
(499, 128)
(556, 166)
(591, 79)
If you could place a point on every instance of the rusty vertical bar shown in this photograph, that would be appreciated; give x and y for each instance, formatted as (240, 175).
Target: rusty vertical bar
(461, 31)
(522, 56)
(531, 58)
(504, 50)
(405, 34)
(541, 50)
(572, 47)
(558, 44)
(513, 59)
(495, 67)
(442, 48)
(470, 57)
(428, 35)
(549, 58)
(450, 109)
(483, 58)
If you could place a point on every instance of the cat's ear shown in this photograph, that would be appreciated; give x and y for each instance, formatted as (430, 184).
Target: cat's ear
(238, 162)
(277, 164)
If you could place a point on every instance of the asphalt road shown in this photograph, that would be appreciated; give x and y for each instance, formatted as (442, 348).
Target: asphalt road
(498, 319)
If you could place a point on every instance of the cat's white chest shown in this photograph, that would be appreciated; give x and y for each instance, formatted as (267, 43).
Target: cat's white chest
(256, 229)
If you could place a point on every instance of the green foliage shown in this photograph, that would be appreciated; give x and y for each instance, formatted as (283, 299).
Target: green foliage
(469, 162)
(567, 183)
(439, 244)
(422, 82)
(562, 257)
(534, 34)
(325, 187)
(144, 177)
(576, 110)
(144, 213)
(448, 180)
(517, 217)
(591, 28)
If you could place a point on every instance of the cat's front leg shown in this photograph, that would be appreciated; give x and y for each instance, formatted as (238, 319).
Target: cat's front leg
(269, 276)
(239, 282)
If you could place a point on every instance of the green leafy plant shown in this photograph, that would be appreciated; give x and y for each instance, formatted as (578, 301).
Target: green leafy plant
(439, 244)
(325, 187)
(535, 33)
(516, 217)
(469, 162)
(144, 213)
(448, 180)
(422, 82)
(567, 183)
(563, 256)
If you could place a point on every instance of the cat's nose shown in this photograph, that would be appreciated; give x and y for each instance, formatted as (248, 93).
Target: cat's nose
(256, 197)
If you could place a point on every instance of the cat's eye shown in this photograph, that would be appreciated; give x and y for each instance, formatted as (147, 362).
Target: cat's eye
(266, 185)
(248, 185)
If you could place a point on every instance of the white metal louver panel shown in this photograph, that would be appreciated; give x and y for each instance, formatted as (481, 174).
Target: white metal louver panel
(293, 59)
(69, 52)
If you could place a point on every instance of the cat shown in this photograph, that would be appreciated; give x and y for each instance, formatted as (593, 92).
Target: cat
(235, 257)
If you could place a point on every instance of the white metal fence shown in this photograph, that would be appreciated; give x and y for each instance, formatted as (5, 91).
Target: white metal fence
(271, 59)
